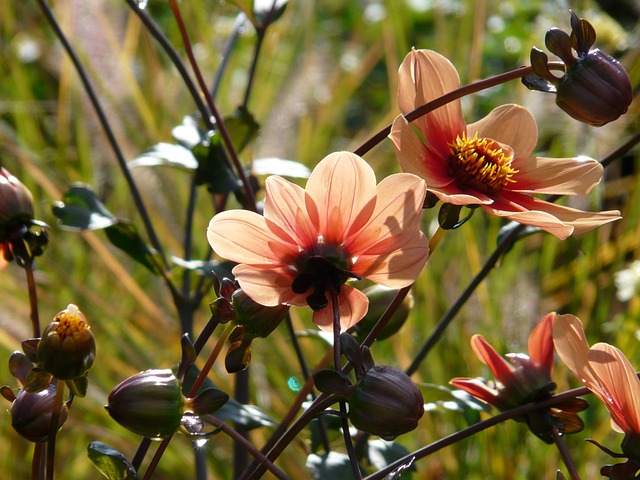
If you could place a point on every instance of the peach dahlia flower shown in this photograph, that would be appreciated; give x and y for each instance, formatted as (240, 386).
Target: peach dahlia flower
(311, 241)
(487, 163)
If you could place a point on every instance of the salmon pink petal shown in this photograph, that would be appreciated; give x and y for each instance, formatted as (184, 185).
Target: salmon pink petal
(3, 261)
(285, 206)
(572, 346)
(353, 306)
(512, 125)
(501, 369)
(395, 270)
(619, 380)
(559, 176)
(476, 388)
(541, 343)
(339, 193)
(245, 237)
(424, 76)
(415, 157)
(268, 286)
(397, 210)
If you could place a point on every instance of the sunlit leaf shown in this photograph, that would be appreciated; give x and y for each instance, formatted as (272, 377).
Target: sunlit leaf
(166, 154)
(242, 128)
(80, 209)
(279, 166)
(125, 236)
(381, 454)
(333, 465)
(188, 134)
(111, 463)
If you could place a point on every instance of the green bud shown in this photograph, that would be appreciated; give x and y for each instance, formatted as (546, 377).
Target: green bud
(149, 403)
(67, 348)
(386, 403)
(31, 414)
(16, 205)
(257, 319)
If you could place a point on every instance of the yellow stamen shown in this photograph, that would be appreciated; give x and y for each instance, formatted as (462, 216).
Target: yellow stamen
(481, 163)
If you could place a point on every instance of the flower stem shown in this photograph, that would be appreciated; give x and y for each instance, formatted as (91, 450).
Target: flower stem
(143, 448)
(53, 429)
(450, 97)
(33, 297)
(211, 360)
(564, 453)
(36, 461)
(156, 457)
(249, 200)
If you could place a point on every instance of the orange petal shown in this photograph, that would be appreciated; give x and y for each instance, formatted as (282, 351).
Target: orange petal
(244, 237)
(424, 76)
(541, 342)
(619, 380)
(476, 388)
(572, 347)
(415, 157)
(340, 189)
(285, 206)
(501, 369)
(353, 306)
(396, 270)
(512, 125)
(559, 176)
(268, 286)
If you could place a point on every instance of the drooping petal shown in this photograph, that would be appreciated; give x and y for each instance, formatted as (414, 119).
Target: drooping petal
(353, 306)
(268, 286)
(415, 157)
(510, 124)
(244, 237)
(431, 76)
(558, 176)
(501, 369)
(339, 193)
(395, 270)
(477, 388)
(285, 206)
(619, 380)
(572, 346)
(541, 342)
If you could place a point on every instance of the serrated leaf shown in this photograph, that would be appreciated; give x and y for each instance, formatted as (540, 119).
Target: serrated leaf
(80, 209)
(333, 465)
(125, 236)
(166, 154)
(280, 166)
(111, 463)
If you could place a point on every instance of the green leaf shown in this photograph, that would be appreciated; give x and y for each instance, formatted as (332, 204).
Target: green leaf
(382, 454)
(111, 463)
(242, 128)
(213, 168)
(80, 209)
(280, 166)
(166, 154)
(268, 11)
(125, 236)
(78, 386)
(333, 465)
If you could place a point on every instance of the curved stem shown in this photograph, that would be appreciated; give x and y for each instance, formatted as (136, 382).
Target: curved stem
(156, 457)
(250, 202)
(106, 127)
(33, 297)
(143, 448)
(564, 453)
(226, 52)
(210, 361)
(254, 63)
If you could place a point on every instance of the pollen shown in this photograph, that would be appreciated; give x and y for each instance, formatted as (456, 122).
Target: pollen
(70, 321)
(481, 164)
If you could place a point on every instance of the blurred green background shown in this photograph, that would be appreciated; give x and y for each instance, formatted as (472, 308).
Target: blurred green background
(325, 81)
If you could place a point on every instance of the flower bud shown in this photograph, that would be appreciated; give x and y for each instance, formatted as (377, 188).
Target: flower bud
(16, 204)
(385, 402)
(257, 319)
(149, 403)
(67, 347)
(31, 414)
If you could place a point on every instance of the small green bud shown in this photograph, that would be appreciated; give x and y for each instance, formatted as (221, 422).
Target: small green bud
(149, 403)
(386, 403)
(257, 319)
(16, 205)
(67, 348)
(31, 414)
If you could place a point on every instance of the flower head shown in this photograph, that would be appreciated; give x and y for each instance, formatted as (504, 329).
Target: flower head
(487, 163)
(595, 88)
(524, 379)
(311, 241)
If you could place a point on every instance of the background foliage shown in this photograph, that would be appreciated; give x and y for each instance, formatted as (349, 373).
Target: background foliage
(325, 81)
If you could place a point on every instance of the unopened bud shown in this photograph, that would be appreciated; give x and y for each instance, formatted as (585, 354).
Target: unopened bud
(31, 414)
(257, 319)
(67, 348)
(149, 403)
(386, 403)
(16, 205)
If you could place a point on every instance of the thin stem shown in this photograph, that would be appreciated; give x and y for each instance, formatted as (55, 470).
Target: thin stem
(260, 32)
(156, 457)
(106, 127)
(241, 394)
(143, 448)
(449, 97)
(249, 200)
(33, 297)
(37, 460)
(205, 334)
(210, 361)
(53, 429)
(241, 18)
(564, 453)
(353, 459)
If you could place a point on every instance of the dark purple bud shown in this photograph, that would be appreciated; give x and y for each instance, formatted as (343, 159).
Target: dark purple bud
(31, 413)
(16, 205)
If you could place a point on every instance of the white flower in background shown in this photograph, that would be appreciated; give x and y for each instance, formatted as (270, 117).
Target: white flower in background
(627, 281)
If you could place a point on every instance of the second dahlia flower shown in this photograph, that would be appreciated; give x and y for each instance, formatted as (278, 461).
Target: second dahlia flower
(488, 163)
(311, 241)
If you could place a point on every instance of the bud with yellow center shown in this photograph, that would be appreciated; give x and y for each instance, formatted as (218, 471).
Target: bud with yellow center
(67, 348)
